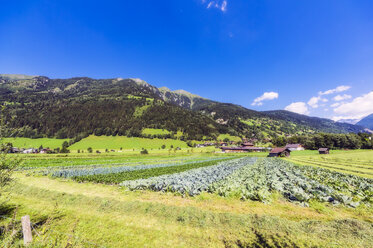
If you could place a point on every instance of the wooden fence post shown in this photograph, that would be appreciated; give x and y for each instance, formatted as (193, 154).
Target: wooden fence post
(26, 229)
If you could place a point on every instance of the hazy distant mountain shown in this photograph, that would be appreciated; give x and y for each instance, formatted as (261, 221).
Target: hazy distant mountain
(366, 122)
(38, 105)
(349, 121)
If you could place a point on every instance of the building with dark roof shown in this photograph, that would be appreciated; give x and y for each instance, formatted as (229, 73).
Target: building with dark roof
(279, 152)
(323, 150)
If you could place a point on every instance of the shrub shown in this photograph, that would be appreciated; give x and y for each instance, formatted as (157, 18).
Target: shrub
(144, 151)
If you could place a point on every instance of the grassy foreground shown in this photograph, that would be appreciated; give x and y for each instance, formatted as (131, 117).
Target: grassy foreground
(109, 217)
(72, 214)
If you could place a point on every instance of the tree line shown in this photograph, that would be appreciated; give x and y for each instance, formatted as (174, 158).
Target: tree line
(328, 140)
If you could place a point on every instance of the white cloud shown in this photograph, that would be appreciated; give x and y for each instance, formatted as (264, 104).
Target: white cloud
(342, 97)
(221, 5)
(334, 105)
(298, 107)
(314, 101)
(265, 97)
(358, 108)
(336, 90)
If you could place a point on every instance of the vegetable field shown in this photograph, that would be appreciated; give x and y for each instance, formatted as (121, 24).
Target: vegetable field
(195, 200)
(246, 178)
(251, 180)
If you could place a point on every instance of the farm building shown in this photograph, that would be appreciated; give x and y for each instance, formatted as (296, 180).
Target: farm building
(45, 150)
(247, 144)
(31, 150)
(279, 152)
(14, 150)
(323, 150)
(243, 149)
(294, 147)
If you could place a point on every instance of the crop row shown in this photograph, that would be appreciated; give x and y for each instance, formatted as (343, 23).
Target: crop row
(296, 183)
(78, 163)
(115, 178)
(363, 172)
(191, 182)
(253, 180)
(79, 172)
(360, 166)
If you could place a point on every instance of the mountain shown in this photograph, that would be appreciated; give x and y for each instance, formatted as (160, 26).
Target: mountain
(326, 125)
(366, 122)
(349, 121)
(39, 106)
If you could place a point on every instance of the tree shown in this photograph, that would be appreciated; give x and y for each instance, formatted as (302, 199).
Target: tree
(144, 151)
(89, 149)
(7, 165)
(64, 149)
(163, 146)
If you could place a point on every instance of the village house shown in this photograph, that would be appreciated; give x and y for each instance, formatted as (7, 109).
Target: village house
(30, 150)
(279, 152)
(14, 150)
(323, 150)
(245, 147)
(294, 147)
(45, 150)
(247, 144)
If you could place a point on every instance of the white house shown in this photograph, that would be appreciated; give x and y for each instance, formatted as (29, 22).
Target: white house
(294, 147)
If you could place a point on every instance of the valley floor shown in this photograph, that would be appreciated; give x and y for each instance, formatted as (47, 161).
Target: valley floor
(71, 214)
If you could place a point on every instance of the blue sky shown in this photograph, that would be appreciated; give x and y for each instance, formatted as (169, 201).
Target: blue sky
(312, 57)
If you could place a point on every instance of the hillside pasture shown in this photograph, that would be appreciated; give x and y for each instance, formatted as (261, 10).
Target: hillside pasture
(126, 143)
(155, 131)
(35, 143)
(230, 137)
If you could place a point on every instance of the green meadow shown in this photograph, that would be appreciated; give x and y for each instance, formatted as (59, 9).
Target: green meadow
(155, 131)
(126, 143)
(355, 162)
(35, 143)
(230, 137)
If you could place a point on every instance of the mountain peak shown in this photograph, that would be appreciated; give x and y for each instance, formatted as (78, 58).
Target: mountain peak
(17, 76)
(186, 93)
(140, 81)
(164, 89)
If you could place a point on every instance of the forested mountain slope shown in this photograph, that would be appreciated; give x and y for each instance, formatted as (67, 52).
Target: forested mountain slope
(40, 106)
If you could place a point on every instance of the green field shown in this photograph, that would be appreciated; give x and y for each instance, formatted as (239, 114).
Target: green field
(230, 137)
(35, 143)
(359, 162)
(155, 131)
(72, 214)
(127, 143)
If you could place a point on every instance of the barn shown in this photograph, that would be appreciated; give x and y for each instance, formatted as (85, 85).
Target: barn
(323, 150)
(279, 152)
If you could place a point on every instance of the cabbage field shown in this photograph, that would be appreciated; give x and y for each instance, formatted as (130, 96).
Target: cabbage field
(246, 178)
(256, 179)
